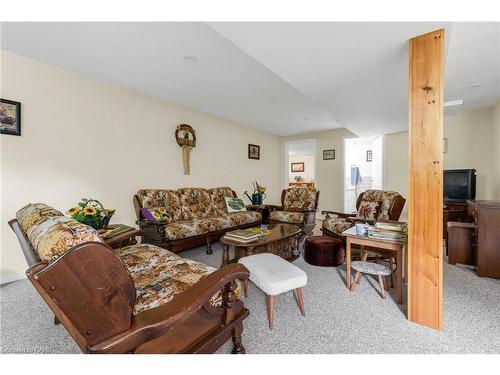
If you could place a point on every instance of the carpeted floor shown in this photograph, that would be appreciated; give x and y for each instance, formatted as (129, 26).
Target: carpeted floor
(337, 321)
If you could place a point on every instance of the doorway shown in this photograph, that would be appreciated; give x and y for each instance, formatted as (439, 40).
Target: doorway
(363, 168)
(300, 163)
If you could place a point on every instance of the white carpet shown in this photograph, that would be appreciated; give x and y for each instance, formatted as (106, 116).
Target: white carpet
(337, 321)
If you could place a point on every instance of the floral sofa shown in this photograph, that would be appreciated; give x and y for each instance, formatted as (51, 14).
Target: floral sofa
(298, 206)
(193, 216)
(139, 298)
(371, 205)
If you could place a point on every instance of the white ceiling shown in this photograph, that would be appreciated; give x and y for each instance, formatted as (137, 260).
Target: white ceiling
(284, 78)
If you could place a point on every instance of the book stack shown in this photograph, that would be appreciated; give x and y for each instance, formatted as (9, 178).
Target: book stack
(388, 230)
(242, 235)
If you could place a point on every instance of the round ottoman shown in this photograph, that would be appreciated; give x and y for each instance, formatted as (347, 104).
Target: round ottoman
(324, 251)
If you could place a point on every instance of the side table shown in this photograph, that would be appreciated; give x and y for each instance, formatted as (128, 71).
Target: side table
(264, 209)
(119, 235)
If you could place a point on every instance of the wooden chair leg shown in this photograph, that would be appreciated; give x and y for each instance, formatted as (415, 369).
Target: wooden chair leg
(270, 310)
(237, 346)
(209, 245)
(300, 301)
(382, 288)
(245, 287)
(56, 321)
(392, 271)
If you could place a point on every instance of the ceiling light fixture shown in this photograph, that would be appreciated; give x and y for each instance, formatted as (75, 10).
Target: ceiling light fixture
(191, 59)
(453, 103)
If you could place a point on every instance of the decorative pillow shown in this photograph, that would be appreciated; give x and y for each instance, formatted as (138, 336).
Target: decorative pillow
(35, 213)
(299, 205)
(54, 236)
(234, 205)
(368, 210)
(157, 214)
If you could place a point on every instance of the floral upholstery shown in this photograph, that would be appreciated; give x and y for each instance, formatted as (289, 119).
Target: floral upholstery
(384, 198)
(161, 198)
(217, 201)
(368, 210)
(35, 213)
(53, 236)
(305, 196)
(195, 203)
(196, 227)
(159, 275)
(244, 217)
(336, 224)
(287, 216)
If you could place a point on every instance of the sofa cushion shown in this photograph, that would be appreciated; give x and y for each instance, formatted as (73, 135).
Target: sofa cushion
(187, 228)
(306, 197)
(287, 216)
(384, 198)
(336, 224)
(35, 213)
(217, 201)
(195, 203)
(242, 218)
(54, 236)
(368, 210)
(157, 214)
(159, 275)
(161, 198)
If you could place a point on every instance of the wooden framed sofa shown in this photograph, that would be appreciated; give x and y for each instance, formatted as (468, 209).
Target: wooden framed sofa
(371, 205)
(136, 299)
(196, 216)
(298, 206)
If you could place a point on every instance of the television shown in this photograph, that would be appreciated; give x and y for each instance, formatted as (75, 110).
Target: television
(459, 184)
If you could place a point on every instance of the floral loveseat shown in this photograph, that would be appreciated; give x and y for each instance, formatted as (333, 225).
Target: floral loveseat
(298, 206)
(192, 216)
(139, 298)
(371, 205)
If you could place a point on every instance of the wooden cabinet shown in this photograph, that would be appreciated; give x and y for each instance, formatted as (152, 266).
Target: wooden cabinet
(477, 242)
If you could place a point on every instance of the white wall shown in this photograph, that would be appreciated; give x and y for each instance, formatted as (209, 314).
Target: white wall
(308, 173)
(378, 163)
(471, 144)
(85, 138)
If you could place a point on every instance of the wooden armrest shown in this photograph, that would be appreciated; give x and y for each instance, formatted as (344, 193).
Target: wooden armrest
(458, 224)
(275, 207)
(153, 323)
(355, 220)
(146, 223)
(343, 215)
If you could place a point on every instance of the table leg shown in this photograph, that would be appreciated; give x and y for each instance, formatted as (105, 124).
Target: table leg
(399, 276)
(225, 255)
(348, 263)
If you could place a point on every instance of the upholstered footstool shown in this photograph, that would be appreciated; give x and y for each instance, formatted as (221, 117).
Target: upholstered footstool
(324, 251)
(274, 275)
(374, 269)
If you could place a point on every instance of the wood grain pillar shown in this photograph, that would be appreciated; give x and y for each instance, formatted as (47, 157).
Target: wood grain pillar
(425, 246)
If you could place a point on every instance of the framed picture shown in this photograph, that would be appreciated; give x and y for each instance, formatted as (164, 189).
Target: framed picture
(253, 152)
(328, 154)
(10, 117)
(369, 155)
(297, 167)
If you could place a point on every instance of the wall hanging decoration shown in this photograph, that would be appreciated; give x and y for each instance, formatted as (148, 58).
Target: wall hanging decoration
(10, 117)
(297, 167)
(369, 155)
(186, 138)
(253, 152)
(329, 154)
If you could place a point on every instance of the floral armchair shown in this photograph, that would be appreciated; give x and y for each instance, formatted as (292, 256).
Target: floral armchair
(371, 205)
(298, 206)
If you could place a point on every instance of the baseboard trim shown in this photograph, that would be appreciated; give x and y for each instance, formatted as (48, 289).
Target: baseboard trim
(11, 277)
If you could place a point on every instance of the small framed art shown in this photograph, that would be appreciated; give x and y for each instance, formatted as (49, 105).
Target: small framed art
(10, 117)
(253, 152)
(297, 167)
(369, 155)
(329, 154)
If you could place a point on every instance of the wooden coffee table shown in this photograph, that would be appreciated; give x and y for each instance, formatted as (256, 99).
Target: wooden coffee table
(283, 241)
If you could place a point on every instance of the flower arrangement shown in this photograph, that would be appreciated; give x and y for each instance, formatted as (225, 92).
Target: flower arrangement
(91, 212)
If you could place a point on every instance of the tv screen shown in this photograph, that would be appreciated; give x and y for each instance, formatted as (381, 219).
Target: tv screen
(459, 184)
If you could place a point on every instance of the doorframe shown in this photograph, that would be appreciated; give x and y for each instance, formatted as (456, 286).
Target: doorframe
(286, 163)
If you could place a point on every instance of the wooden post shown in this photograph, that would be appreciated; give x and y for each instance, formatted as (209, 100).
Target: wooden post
(425, 246)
